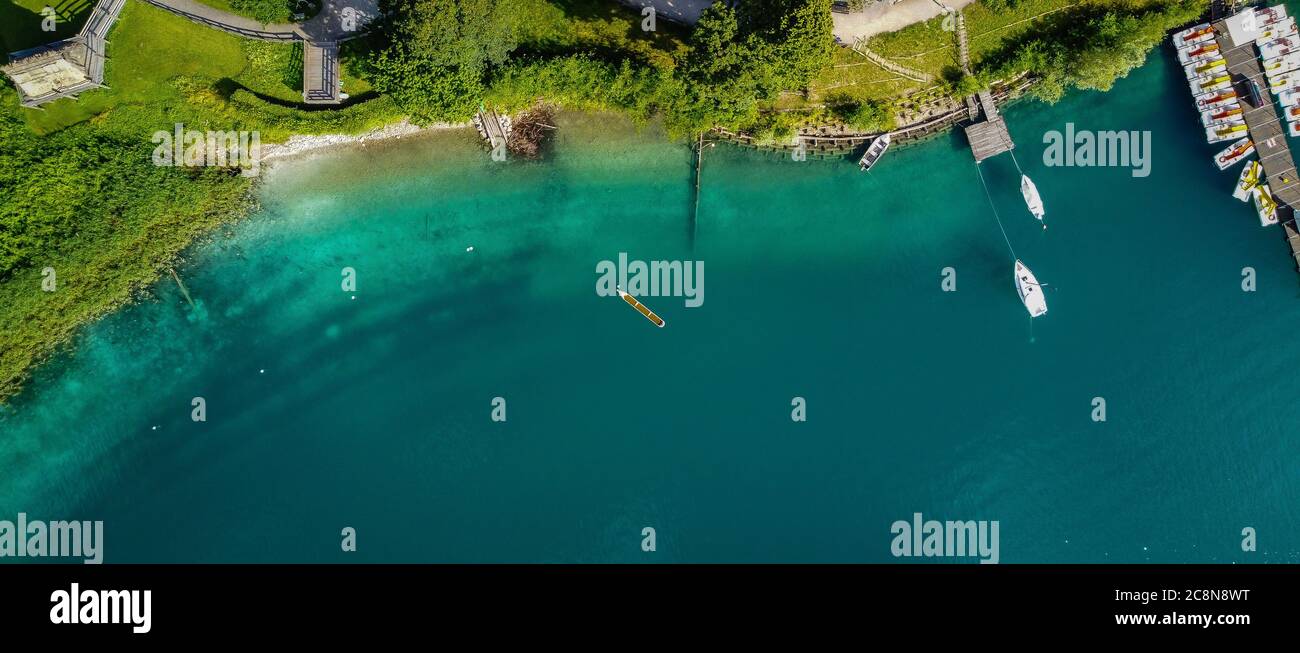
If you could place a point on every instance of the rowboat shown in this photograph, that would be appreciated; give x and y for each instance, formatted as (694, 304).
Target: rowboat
(1234, 153)
(1293, 128)
(641, 308)
(1246, 182)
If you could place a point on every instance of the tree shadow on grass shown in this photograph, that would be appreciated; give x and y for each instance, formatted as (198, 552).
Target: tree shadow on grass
(21, 27)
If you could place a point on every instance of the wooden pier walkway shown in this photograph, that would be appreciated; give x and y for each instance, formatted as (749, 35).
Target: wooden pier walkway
(988, 137)
(320, 73)
(491, 127)
(1262, 120)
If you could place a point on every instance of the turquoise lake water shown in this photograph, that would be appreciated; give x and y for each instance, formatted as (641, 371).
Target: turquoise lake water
(325, 411)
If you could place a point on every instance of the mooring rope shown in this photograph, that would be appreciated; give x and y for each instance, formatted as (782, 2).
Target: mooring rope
(995, 213)
(1013, 160)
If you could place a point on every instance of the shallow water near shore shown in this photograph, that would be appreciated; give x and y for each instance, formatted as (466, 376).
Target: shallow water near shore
(372, 409)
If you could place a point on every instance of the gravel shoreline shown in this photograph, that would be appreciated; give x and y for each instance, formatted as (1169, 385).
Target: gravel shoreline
(302, 144)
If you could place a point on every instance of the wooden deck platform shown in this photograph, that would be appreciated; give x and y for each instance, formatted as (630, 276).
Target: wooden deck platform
(320, 73)
(490, 127)
(989, 137)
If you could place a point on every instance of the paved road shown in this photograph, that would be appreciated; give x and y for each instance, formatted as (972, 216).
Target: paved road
(685, 11)
(328, 25)
(879, 18)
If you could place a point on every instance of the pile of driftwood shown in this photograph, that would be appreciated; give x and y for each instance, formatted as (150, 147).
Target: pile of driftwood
(529, 130)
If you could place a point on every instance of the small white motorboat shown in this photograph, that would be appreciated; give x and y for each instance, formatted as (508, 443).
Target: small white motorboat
(874, 152)
(1031, 292)
(1032, 199)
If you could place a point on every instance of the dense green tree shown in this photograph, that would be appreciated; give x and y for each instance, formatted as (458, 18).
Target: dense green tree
(439, 53)
(739, 57)
(1089, 47)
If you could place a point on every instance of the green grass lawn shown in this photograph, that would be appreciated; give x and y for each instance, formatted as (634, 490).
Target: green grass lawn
(926, 47)
(548, 26)
(164, 69)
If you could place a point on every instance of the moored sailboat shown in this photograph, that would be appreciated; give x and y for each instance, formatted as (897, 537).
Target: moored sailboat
(1031, 292)
(1032, 199)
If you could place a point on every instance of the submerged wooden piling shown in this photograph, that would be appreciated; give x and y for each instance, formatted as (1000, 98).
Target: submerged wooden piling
(180, 285)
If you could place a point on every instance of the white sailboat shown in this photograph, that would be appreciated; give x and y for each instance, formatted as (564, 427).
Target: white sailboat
(1032, 199)
(1031, 293)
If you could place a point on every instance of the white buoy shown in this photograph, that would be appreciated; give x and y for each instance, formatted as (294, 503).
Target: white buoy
(470, 248)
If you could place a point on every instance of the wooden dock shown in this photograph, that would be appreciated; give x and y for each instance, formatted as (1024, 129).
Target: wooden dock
(493, 127)
(1266, 128)
(989, 137)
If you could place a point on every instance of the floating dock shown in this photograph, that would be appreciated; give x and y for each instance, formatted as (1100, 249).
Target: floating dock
(1262, 120)
(1265, 126)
